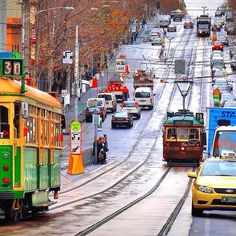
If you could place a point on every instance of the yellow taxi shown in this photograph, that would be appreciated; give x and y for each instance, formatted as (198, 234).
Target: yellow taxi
(214, 185)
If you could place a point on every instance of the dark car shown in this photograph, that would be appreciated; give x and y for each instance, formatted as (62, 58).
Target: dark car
(177, 18)
(188, 24)
(122, 118)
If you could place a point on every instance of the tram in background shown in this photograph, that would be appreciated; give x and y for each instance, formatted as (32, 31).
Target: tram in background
(183, 137)
(30, 148)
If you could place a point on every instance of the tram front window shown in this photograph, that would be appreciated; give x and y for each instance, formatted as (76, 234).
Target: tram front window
(182, 134)
(171, 134)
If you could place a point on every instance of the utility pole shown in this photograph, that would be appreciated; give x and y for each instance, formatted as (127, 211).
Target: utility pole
(76, 73)
(25, 33)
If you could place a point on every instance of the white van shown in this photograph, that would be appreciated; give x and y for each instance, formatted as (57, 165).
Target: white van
(110, 99)
(144, 97)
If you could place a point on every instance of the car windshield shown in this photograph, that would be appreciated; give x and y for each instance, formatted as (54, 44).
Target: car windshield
(219, 168)
(203, 26)
(94, 103)
(121, 114)
(106, 96)
(224, 141)
(142, 94)
(129, 104)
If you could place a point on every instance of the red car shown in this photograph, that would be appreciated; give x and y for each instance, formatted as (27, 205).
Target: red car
(217, 45)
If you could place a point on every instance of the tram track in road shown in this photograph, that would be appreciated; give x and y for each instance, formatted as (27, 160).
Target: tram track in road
(169, 223)
(122, 179)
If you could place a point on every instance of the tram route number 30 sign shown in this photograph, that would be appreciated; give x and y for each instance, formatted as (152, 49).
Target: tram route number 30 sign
(12, 67)
(76, 136)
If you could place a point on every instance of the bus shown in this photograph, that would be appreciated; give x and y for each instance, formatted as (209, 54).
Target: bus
(30, 149)
(183, 137)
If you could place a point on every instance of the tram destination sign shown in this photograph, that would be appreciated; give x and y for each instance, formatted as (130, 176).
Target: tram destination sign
(183, 122)
(12, 67)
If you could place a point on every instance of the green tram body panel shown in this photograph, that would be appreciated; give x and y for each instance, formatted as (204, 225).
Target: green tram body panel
(6, 160)
(36, 177)
(55, 171)
(30, 169)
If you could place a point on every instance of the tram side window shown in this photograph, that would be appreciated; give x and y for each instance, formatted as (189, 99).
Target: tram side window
(17, 120)
(171, 134)
(4, 125)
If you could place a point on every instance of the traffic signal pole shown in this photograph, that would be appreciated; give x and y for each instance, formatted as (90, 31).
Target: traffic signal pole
(76, 73)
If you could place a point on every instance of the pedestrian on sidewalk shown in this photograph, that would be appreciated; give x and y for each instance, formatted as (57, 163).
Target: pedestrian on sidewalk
(105, 143)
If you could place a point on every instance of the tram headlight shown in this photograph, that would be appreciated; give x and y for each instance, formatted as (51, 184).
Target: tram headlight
(5, 155)
(204, 189)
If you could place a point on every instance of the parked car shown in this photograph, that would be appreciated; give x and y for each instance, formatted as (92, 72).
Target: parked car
(217, 45)
(233, 62)
(132, 107)
(188, 24)
(171, 28)
(122, 118)
(110, 99)
(95, 106)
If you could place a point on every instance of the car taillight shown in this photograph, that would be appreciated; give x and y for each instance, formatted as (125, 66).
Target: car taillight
(127, 118)
(5, 180)
(182, 148)
(87, 111)
(113, 118)
(6, 168)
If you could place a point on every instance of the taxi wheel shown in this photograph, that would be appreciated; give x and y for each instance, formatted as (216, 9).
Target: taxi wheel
(196, 212)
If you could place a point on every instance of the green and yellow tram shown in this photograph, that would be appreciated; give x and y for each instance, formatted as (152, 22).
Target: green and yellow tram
(30, 149)
(183, 137)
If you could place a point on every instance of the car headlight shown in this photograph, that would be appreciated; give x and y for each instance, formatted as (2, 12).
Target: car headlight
(203, 189)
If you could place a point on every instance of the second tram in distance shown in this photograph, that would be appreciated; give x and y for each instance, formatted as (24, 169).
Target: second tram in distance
(183, 137)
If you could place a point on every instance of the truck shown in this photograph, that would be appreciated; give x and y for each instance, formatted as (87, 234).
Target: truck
(221, 132)
(203, 26)
(143, 78)
(117, 87)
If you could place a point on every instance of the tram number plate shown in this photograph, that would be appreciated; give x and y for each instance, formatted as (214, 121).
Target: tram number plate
(228, 199)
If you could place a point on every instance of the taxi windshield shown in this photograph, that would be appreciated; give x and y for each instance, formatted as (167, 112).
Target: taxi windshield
(224, 141)
(219, 168)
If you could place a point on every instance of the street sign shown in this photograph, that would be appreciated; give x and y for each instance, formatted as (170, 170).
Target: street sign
(75, 137)
(180, 67)
(67, 57)
(12, 67)
(121, 64)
